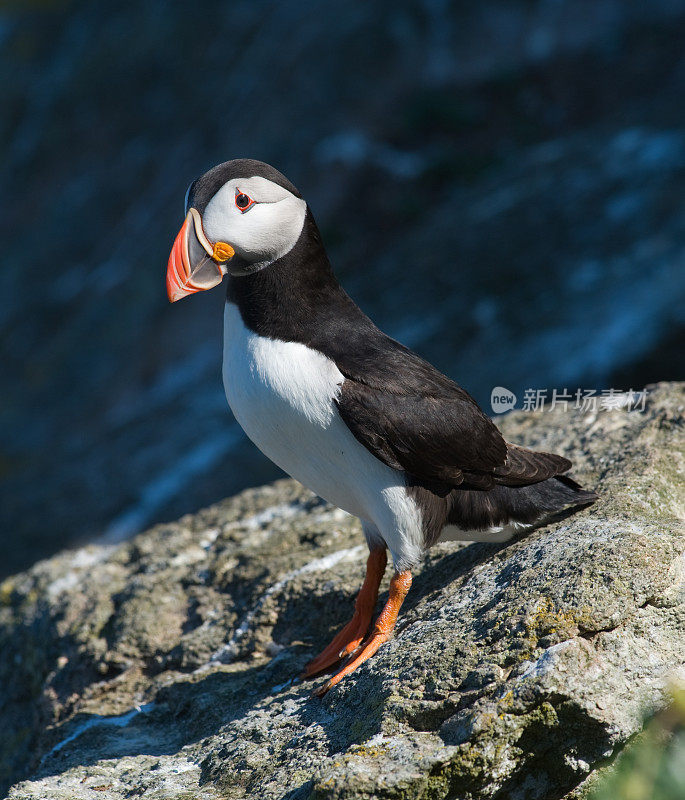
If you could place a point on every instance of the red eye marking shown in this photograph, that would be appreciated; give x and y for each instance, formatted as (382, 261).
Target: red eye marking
(243, 202)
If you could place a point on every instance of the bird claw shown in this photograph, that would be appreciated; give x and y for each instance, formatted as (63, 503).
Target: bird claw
(334, 653)
(321, 691)
(371, 646)
(351, 649)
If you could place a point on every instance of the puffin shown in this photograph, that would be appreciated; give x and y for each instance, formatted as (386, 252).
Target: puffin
(355, 416)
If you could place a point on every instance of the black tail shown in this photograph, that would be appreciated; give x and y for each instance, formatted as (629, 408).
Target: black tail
(554, 497)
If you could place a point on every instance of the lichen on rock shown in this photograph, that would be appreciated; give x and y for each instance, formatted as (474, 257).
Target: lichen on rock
(162, 667)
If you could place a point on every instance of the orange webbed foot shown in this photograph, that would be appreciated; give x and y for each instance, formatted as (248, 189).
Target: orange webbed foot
(399, 586)
(351, 636)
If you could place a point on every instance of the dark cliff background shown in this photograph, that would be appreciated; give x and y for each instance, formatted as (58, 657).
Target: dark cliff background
(501, 185)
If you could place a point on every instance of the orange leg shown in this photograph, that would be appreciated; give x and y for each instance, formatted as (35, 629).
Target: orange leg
(399, 586)
(351, 636)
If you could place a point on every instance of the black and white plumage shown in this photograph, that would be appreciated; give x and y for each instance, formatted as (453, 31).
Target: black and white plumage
(355, 416)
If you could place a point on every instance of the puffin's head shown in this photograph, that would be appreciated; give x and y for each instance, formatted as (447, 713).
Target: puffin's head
(241, 216)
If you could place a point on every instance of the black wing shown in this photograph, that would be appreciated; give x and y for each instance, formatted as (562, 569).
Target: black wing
(413, 418)
(433, 438)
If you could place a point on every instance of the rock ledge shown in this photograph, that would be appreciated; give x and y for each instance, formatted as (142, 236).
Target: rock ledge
(161, 668)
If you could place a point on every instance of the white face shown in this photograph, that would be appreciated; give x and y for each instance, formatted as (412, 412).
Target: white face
(261, 232)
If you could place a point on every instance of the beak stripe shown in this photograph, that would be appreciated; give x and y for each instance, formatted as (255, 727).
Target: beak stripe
(182, 276)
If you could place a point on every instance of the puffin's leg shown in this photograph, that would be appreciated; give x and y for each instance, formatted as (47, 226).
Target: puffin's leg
(399, 586)
(351, 636)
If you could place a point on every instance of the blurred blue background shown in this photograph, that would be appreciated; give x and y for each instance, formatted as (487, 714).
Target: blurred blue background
(500, 185)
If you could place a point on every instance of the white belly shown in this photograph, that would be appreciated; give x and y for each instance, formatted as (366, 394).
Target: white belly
(283, 395)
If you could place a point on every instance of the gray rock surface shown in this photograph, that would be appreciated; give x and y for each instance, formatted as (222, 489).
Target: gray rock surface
(161, 668)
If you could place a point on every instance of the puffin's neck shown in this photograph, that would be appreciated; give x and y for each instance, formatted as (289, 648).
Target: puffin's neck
(289, 298)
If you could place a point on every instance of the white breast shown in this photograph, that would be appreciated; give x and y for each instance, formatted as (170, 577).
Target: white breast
(283, 395)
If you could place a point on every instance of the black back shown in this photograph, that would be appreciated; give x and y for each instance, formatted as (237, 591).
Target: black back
(406, 412)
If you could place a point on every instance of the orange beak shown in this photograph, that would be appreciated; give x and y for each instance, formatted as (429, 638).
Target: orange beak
(194, 263)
